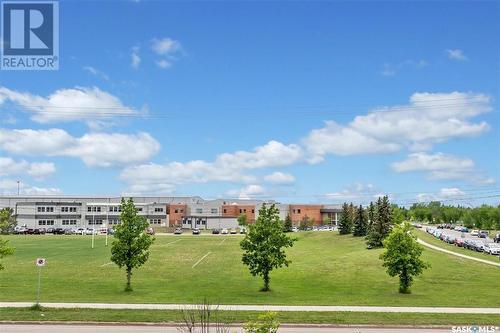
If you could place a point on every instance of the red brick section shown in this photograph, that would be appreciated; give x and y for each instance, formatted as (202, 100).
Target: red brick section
(176, 213)
(298, 212)
(237, 210)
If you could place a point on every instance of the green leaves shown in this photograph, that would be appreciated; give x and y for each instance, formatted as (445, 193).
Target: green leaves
(264, 244)
(130, 248)
(402, 256)
(5, 250)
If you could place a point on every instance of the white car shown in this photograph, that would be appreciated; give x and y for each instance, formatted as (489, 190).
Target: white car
(492, 248)
(458, 228)
(474, 233)
(295, 229)
(224, 231)
(80, 231)
(90, 231)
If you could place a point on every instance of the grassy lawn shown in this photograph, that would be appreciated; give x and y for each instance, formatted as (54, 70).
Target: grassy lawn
(159, 316)
(434, 241)
(327, 269)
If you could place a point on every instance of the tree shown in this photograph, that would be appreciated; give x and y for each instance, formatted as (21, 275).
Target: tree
(8, 220)
(305, 223)
(242, 220)
(345, 224)
(130, 248)
(372, 215)
(360, 223)
(397, 215)
(382, 225)
(287, 225)
(402, 256)
(264, 244)
(5, 250)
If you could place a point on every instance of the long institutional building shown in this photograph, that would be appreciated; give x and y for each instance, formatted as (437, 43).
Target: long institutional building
(185, 212)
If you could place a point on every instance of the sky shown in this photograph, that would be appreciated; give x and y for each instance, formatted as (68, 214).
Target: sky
(301, 102)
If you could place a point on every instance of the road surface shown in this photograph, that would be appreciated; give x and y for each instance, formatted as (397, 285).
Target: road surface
(170, 329)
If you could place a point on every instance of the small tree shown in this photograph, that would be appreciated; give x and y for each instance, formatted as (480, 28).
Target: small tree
(264, 244)
(265, 323)
(360, 223)
(345, 225)
(242, 220)
(287, 225)
(402, 256)
(305, 223)
(5, 250)
(8, 220)
(130, 248)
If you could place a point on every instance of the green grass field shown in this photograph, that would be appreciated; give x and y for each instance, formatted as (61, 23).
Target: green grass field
(327, 269)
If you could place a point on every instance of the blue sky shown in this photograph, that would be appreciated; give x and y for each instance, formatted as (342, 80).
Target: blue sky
(298, 101)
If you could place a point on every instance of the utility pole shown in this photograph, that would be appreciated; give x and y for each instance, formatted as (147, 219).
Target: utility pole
(18, 187)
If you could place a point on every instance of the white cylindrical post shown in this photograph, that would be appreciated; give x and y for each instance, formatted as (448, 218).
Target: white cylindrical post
(39, 282)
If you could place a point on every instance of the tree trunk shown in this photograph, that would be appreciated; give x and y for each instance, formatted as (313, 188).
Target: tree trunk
(266, 281)
(129, 277)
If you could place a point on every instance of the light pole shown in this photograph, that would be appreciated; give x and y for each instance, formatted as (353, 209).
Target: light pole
(18, 182)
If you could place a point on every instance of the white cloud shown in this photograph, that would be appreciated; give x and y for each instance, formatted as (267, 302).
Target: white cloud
(163, 63)
(279, 178)
(37, 170)
(95, 149)
(441, 166)
(135, 58)
(456, 54)
(75, 104)
(429, 118)
(392, 69)
(249, 192)
(9, 187)
(447, 194)
(358, 193)
(165, 46)
(167, 49)
(227, 167)
(96, 72)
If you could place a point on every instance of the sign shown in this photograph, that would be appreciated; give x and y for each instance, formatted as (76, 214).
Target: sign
(30, 35)
(40, 262)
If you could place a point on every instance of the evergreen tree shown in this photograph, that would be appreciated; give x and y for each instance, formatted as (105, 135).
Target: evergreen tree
(372, 215)
(360, 223)
(287, 225)
(381, 226)
(345, 220)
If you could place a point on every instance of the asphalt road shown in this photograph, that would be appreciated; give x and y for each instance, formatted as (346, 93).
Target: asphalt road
(163, 329)
(454, 233)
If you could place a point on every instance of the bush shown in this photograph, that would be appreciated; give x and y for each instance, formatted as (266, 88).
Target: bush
(265, 323)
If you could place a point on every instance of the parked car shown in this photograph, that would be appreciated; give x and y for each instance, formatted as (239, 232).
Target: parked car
(58, 231)
(150, 231)
(478, 246)
(80, 231)
(469, 244)
(90, 231)
(111, 231)
(492, 248)
(224, 231)
(39, 231)
(459, 242)
(69, 231)
(483, 234)
(464, 229)
(243, 230)
(233, 231)
(196, 231)
(295, 229)
(496, 239)
(450, 239)
(177, 231)
(458, 228)
(474, 233)
(49, 230)
(215, 231)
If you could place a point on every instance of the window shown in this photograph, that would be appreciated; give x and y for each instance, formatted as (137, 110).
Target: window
(42, 222)
(41, 209)
(298, 210)
(214, 210)
(89, 209)
(199, 210)
(139, 209)
(158, 209)
(253, 211)
(225, 210)
(155, 221)
(182, 210)
(64, 210)
(50, 209)
(68, 222)
(241, 210)
(50, 222)
(72, 209)
(176, 211)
